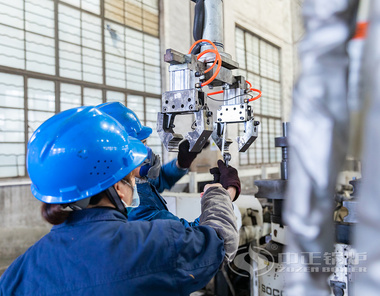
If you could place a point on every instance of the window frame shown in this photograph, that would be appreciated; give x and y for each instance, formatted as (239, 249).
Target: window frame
(58, 80)
(278, 119)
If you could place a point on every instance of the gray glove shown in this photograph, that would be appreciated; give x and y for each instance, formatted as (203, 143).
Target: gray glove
(155, 169)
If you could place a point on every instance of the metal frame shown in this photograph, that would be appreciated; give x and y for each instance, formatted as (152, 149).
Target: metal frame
(246, 31)
(26, 74)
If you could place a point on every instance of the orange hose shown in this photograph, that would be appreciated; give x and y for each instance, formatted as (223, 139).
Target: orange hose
(217, 69)
(202, 40)
(253, 89)
(217, 58)
(215, 93)
(257, 97)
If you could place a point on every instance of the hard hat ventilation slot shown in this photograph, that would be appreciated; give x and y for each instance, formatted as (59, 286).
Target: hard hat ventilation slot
(99, 169)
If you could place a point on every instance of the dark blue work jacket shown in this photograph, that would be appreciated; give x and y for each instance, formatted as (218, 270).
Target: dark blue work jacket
(152, 204)
(98, 252)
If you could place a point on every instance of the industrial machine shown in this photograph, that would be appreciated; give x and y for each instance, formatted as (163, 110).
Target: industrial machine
(272, 282)
(206, 66)
(345, 257)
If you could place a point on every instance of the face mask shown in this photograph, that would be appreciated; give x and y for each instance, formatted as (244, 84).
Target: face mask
(135, 198)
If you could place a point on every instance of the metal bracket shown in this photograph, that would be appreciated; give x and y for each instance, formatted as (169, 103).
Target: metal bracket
(182, 101)
(197, 138)
(203, 130)
(250, 135)
(217, 136)
(166, 133)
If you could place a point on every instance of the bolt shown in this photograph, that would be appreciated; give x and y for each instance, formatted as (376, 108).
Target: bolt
(242, 118)
(197, 74)
(191, 107)
(197, 85)
(256, 123)
(219, 119)
(209, 113)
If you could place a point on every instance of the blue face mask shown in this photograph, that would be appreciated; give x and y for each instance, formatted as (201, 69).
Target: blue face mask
(135, 198)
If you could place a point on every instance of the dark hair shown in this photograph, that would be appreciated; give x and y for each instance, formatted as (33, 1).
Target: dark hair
(54, 213)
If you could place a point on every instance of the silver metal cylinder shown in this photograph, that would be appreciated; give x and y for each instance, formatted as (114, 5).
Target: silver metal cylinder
(213, 24)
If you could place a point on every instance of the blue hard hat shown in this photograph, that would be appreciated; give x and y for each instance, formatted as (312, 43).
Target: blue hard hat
(79, 153)
(127, 118)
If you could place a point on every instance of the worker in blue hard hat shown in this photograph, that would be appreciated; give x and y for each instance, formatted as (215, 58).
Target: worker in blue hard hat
(152, 179)
(81, 163)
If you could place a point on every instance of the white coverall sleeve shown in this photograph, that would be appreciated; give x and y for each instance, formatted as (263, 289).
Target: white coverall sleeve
(218, 213)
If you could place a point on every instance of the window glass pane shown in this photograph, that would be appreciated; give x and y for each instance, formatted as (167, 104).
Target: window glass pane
(11, 91)
(12, 160)
(152, 79)
(12, 47)
(240, 48)
(70, 96)
(259, 62)
(41, 102)
(153, 106)
(91, 5)
(92, 65)
(133, 45)
(150, 19)
(133, 14)
(114, 96)
(70, 61)
(91, 31)
(135, 75)
(11, 125)
(40, 55)
(151, 50)
(114, 39)
(39, 17)
(69, 24)
(252, 47)
(12, 130)
(115, 71)
(12, 13)
(113, 10)
(136, 104)
(72, 2)
(28, 38)
(92, 97)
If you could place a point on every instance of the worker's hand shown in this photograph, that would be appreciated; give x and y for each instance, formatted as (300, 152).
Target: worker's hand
(185, 158)
(216, 174)
(207, 186)
(154, 170)
(229, 178)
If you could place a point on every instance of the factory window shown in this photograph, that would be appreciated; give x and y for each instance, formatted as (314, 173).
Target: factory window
(60, 54)
(259, 62)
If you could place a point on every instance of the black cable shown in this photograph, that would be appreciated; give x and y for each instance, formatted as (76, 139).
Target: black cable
(229, 98)
(199, 16)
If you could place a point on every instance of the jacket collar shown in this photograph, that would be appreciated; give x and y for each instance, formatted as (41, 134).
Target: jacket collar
(92, 215)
